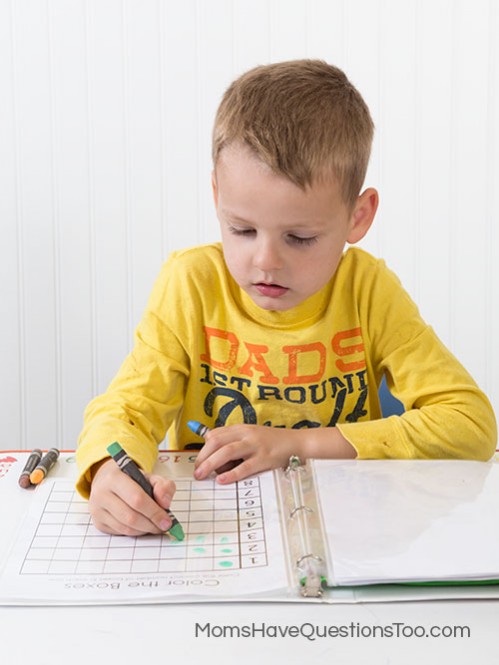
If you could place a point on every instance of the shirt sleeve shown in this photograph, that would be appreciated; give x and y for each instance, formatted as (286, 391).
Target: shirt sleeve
(446, 414)
(143, 398)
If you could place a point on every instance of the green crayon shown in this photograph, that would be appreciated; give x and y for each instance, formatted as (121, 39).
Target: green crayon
(128, 466)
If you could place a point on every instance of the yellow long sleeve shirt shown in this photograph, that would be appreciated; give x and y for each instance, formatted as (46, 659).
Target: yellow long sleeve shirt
(205, 351)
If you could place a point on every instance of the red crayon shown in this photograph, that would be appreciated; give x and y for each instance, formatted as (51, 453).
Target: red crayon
(31, 464)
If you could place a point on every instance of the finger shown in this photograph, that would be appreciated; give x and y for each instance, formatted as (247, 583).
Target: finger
(240, 472)
(141, 509)
(163, 489)
(211, 445)
(114, 516)
(232, 452)
(107, 523)
(133, 509)
(216, 439)
(228, 466)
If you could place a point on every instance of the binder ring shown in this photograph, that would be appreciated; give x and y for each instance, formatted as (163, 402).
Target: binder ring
(317, 559)
(297, 509)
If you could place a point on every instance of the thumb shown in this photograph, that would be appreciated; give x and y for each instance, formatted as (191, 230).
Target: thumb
(163, 490)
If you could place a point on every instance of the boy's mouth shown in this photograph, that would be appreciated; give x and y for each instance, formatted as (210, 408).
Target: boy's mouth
(270, 290)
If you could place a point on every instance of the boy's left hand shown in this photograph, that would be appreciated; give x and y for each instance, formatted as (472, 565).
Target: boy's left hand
(260, 449)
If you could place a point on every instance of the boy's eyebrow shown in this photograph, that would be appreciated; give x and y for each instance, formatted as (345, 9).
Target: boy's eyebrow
(236, 218)
(228, 213)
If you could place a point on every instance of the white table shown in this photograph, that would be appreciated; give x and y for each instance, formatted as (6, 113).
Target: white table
(163, 633)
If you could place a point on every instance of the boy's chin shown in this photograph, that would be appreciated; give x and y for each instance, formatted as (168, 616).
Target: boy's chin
(281, 304)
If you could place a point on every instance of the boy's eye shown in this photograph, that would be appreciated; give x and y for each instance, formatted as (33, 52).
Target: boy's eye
(241, 232)
(291, 238)
(299, 240)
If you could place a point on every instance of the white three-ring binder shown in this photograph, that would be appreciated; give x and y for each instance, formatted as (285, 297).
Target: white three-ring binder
(322, 531)
(357, 523)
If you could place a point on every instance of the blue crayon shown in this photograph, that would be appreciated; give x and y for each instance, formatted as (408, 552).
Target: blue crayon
(198, 428)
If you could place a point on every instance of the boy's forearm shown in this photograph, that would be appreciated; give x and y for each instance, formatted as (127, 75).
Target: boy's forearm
(437, 431)
(101, 430)
(326, 443)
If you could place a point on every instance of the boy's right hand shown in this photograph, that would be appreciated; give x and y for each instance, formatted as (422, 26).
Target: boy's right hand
(119, 506)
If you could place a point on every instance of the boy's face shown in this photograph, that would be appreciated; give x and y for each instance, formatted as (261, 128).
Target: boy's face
(282, 244)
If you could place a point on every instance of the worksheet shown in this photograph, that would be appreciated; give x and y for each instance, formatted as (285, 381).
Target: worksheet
(232, 549)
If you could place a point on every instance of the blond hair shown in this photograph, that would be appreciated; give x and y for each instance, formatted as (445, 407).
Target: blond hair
(303, 118)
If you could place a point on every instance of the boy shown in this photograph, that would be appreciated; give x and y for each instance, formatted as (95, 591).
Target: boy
(276, 339)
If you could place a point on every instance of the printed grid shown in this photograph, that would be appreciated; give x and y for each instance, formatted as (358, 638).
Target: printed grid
(224, 529)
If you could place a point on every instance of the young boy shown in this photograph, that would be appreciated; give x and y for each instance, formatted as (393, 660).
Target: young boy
(275, 339)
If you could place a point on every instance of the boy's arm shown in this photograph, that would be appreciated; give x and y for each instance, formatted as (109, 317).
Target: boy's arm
(447, 415)
(139, 405)
(456, 422)
(144, 397)
(136, 410)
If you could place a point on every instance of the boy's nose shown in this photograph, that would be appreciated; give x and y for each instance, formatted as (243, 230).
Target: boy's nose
(267, 256)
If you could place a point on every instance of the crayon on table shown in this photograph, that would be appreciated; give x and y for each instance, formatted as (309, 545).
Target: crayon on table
(31, 464)
(128, 466)
(44, 466)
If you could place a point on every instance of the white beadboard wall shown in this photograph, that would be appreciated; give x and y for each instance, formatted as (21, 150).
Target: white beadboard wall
(105, 120)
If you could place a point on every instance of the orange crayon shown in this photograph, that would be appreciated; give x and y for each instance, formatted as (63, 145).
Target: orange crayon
(46, 463)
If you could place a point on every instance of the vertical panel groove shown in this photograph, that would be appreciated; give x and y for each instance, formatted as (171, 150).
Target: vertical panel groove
(271, 19)
(21, 312)
(127, 165)
(306, 31)
(59, 406)
(91, 206)
(417, 153)
(453, 193)
(161, 13)
(381, 130)
(345, 20)
(199, 111)
(490, 289)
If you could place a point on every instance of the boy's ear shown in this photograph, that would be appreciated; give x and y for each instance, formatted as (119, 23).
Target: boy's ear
(214, 187)
(363, 215)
